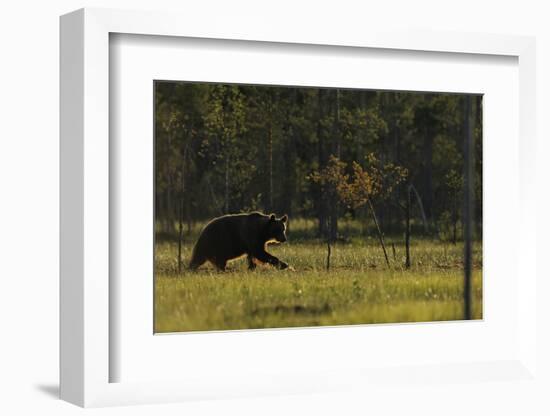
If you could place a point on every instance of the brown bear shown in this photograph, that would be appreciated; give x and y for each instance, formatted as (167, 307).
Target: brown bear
(233, 236)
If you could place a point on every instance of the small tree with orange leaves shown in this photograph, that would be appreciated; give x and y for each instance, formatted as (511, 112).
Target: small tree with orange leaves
(375, 181)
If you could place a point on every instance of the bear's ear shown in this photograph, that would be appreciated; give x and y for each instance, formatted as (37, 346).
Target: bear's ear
(284, 218)
(272, 217)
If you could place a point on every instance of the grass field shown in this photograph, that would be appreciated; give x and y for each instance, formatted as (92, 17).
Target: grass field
(358, 289)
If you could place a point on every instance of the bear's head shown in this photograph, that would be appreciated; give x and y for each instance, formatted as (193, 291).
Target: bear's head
(276, 228)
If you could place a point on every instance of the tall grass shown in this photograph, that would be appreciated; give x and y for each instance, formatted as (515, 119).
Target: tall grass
(358, 289)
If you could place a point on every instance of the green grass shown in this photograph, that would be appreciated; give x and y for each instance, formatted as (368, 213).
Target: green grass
(359, 288)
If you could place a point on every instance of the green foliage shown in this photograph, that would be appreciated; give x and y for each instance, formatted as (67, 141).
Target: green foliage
(332, 177)
(228, 148)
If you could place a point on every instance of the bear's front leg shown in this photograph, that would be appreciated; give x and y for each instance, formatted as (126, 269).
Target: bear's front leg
(265, 257)
(282, 265)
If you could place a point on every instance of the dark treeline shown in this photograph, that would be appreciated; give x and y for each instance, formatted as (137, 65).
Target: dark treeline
(231, 148)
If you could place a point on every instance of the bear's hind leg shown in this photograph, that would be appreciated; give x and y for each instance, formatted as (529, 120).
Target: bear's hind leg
(196, 263)
(220, 264)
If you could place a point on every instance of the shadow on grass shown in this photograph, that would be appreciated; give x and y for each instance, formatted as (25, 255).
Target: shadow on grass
(292, 310)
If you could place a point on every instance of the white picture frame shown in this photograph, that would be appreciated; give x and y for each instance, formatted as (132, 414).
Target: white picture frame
(85, 220)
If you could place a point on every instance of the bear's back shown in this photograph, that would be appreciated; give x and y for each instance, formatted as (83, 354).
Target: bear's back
(237, 220)
(230, 223)
(227, 236)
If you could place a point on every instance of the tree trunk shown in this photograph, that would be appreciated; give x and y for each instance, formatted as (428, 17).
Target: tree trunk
(468, 205)
(428, 159)
(329, 246)
(180, 236)
(290, 139)
(408, 230)
(328, 254)
(420, 206)
(380, 235)
(478, 163)
(334, 202)
(270, 152)
(321, 157)
(338, 136)
(180, 213)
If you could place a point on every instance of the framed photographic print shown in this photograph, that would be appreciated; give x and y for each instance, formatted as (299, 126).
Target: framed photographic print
(261, 214)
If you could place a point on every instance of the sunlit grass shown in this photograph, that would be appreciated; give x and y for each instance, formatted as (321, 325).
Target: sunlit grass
(358, 289)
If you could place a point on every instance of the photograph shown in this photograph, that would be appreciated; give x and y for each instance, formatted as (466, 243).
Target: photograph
(293, 206)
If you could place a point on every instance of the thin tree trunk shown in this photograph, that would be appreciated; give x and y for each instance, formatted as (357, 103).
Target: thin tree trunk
(270, 152)
(180, 213)
(380, 235)
(408, 230)
(478, 159)
(468, 206)
(328, 254)
(428, 159)
(321, 203)
(334, 203)
(329, 247)
(421, 206)
(428, 170)
(338, 135)
(289, 179)
(180, 237)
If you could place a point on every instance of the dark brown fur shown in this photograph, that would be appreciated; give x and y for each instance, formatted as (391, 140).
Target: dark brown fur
(233, 236)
